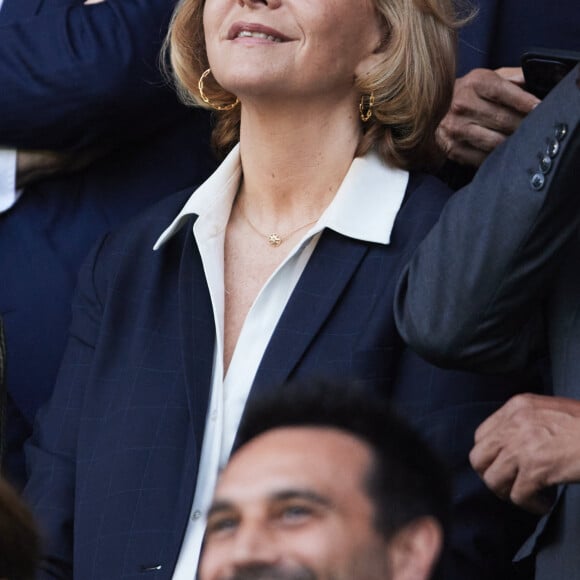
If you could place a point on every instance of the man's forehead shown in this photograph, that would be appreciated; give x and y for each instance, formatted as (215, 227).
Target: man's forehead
(302, 441)
(296, 456)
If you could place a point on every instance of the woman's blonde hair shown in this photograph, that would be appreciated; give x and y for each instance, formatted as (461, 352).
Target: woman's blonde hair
(412, 84)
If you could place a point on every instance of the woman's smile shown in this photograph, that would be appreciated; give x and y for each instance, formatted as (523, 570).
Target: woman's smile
(255, 32)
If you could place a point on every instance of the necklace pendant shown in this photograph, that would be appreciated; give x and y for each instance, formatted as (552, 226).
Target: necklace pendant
(274, 240)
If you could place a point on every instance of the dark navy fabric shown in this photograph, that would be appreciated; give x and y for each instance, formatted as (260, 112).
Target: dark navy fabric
(73, 77)
(115, 454)
(504, 29)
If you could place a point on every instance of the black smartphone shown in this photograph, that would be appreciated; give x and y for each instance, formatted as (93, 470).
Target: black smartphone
(544, 68)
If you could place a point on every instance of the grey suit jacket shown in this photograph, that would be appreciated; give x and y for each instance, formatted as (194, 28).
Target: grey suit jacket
(496, 283)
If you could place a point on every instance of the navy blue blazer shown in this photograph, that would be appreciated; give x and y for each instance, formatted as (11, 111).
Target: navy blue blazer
(73, 77)
(115, 454)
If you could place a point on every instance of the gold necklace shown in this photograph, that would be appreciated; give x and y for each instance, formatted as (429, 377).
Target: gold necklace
(274, 239)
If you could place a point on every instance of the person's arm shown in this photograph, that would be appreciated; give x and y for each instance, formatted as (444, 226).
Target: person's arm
(487, 107)
(33, 166)
(51, 452)
(471, 294)
(84, 76)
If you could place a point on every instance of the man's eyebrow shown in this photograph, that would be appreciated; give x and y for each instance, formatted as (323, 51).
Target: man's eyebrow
(220, 506)
(304, 494)
(224, 505)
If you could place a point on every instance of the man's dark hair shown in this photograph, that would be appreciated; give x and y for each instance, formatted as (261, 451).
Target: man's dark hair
(19, 542)
(407, 479)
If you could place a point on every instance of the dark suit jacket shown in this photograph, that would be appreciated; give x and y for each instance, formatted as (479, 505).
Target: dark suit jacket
(500, 268)
(503, 30)
(73, 77)
(115, 456)
(2, 389)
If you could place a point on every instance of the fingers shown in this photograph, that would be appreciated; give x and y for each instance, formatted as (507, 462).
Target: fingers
(469, 142)
(528, 445)
(528, 494)
(493, 87)
(497, 469)
(484, 453)
(506, 416)
(512, 482)
(512, 74)
(501, 470)
(487, 107)
(463, 153)
(526, 403)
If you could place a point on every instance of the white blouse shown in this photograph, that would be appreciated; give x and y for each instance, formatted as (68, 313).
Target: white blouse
(364, 208)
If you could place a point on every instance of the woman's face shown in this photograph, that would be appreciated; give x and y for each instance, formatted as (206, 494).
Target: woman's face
(286, 48)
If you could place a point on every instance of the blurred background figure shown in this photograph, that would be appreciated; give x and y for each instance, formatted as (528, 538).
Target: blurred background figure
(89, 135)
(326, 482)
(19, 542)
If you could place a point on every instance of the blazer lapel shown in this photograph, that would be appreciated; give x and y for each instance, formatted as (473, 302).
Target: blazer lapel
(198, 332)
(332, 265)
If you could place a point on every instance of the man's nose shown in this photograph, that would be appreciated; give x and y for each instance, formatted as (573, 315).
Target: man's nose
(254, 545)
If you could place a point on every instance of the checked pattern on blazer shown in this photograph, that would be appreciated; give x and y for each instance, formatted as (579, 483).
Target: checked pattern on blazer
(116, 451)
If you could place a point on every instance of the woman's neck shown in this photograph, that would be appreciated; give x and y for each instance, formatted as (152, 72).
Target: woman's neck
(293, 163)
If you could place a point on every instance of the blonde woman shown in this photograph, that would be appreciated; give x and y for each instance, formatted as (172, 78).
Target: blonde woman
(282, 265)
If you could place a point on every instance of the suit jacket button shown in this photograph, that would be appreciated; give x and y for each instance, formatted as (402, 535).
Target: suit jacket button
(561, 131)
(537, 181)
(545, 164)
(553, 148)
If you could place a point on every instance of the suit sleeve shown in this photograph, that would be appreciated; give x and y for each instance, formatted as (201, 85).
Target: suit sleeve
(51, 452)
(84, 76)
(472, 294)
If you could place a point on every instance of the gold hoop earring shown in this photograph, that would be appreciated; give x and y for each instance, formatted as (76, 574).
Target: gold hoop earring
(365, 106)
(205, 99)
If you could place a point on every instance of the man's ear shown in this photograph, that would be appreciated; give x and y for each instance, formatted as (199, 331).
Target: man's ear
(414, 551)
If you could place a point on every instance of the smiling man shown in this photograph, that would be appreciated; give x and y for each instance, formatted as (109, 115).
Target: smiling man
(326, 485)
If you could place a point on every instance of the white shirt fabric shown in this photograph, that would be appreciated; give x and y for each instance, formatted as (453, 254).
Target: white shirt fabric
(8, 194)
(364, 208)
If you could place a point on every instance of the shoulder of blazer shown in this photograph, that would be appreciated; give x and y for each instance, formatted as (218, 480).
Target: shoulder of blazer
(144, 229)
(129, 248)
(424, 200)
(424, 188)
